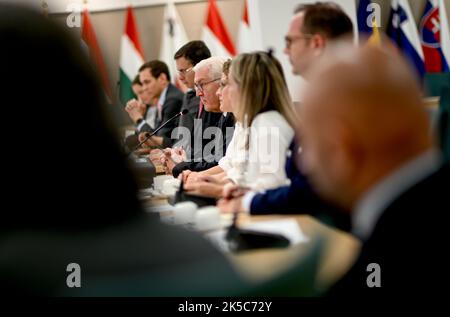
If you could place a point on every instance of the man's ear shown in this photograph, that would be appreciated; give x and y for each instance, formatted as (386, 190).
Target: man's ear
(162, 78)
(318, 42)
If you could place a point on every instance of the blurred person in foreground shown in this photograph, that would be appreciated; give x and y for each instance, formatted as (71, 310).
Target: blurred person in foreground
(78, 203)
(367, 148)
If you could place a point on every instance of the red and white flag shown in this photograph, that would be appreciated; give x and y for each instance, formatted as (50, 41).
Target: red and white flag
(215, 34)
(173, 37)
(131, 57)
(90, 39)
(248, 37)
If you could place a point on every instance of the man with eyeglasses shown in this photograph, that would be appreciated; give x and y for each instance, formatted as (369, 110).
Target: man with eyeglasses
(207, 77)
(185, 58)
(310, 29)
(155, 79)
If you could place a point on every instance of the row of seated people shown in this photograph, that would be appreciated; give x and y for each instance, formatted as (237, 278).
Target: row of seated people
(83, 208)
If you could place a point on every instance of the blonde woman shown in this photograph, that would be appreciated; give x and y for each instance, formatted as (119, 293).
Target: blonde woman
(256, 156)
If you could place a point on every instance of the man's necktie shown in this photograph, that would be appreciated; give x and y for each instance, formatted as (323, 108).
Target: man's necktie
(200, 109)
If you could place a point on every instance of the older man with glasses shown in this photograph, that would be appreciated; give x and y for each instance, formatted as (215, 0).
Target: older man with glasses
(207, 75)
(191, 125)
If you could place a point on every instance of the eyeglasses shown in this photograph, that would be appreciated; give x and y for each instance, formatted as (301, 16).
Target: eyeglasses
(288, 40)
(199, 87)
(185, 71)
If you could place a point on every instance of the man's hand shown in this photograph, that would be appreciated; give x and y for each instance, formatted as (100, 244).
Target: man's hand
(232, 199)
(167, 161)
(154, 141)
(135, 109)
(155, 156)
(178, 154)
(231, 191)
(230, 205)
(189, 176)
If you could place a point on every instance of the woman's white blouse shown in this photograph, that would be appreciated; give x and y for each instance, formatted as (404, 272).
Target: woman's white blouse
(262, 166)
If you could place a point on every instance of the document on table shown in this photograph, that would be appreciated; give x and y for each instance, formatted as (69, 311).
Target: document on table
(289, 228)
(286, 227)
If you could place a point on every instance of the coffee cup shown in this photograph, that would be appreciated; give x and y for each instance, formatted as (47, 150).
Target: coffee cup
(184, 212)
(207, 218)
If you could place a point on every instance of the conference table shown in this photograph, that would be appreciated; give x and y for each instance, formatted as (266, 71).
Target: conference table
(339, 249)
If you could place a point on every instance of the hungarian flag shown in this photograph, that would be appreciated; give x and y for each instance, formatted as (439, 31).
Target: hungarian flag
(89, 38)
(173, 37)
(131, 57)
(215, 34)
(434, 35)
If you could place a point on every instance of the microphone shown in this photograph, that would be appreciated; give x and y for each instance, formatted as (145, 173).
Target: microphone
(149, 135)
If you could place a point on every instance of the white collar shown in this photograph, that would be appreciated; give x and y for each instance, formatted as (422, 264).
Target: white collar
(374, 202)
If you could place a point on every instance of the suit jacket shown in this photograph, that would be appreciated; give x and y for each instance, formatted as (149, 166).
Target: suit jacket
(171, 106)
(297, 198)
(190, 102)
(408, 243)
(209, 119)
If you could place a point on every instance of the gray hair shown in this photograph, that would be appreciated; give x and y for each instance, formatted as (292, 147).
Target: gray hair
(214, 65)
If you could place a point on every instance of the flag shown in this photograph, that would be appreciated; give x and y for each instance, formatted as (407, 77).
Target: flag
(375, 38)
(367, 23)
(173, 37)
(131, 57)
(434, 36)
(363, 17)
(89, 38)
(403, 31)
(247, 37)
(215, 34)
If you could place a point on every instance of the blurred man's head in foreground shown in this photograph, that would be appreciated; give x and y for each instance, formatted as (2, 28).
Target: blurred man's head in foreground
(362, 118)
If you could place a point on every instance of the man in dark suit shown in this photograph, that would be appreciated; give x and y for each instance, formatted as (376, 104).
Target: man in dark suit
(155, 79)
(367, 148)
(198, 119)
(186, 58)
(207, 76)
(225, 123)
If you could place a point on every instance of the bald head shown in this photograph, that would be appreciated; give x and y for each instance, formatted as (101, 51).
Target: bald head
(362, 118)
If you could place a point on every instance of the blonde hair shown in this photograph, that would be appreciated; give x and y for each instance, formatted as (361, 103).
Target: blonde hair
(262, 87)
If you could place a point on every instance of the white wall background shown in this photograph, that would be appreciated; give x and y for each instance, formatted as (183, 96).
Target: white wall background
(271, 18)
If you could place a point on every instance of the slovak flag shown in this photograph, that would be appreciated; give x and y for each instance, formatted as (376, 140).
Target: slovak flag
(434, 36)
(403, 32)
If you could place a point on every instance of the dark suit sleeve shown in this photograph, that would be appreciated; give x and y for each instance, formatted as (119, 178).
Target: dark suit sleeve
(293, 199)
(192, 166)
(299, 198)
(167, 141)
